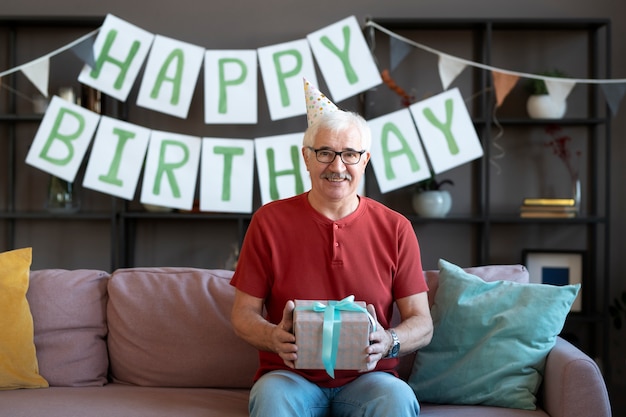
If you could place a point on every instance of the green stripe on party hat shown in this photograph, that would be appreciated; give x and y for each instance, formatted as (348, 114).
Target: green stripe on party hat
(317, 103)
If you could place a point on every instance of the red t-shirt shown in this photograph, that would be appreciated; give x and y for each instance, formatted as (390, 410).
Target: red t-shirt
(291, 251)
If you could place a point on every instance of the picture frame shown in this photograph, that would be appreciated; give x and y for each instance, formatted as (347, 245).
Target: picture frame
(556, 267)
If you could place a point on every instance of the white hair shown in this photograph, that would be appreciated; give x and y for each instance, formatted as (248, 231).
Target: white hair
(339, 121)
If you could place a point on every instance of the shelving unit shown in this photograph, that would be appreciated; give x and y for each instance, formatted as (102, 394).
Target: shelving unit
(23, 219)
(484, 226)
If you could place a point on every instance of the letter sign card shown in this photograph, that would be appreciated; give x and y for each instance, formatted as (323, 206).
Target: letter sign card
(230, 92)
(171, 170)
(344, 59)
(447, 131)
(116, 159)
(120, 51)
(282, 67)
(170, 77)
(397, 155)
(227, 175)
(280, 167)
(62, 139)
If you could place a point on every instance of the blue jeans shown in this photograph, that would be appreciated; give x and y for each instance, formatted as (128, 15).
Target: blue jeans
(374, 394)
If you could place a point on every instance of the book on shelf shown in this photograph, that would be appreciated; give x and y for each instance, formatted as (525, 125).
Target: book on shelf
(561, 202)
(548, 208)
(551, 209)
(547, 214)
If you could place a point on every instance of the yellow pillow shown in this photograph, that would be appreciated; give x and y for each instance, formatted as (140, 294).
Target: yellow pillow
(18, 359)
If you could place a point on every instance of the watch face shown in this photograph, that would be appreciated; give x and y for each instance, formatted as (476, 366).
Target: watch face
(395, 350)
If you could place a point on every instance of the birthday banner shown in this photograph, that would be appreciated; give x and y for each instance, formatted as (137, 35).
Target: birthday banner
(172, 162)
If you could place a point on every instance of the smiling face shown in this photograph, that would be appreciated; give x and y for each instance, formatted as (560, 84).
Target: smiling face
(335, 182)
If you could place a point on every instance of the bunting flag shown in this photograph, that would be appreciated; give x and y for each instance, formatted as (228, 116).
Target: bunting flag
(558, 88)
(449, 69)
(559, 91)
(503, 84)
(121, 50)
(398, 50)
(84, 51)
(170, 76)
(344, 59)
(613, 93)
(38, 72)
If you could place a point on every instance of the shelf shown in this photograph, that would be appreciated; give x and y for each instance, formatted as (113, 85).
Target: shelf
(183, 216)
(46, 215)
(452, 219)
(21, 117)
(516, 219)
(597, 121)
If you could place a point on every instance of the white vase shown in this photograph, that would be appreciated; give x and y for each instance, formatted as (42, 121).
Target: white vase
(62, 197)
(436, 203)
(544, 106)
(576, 192)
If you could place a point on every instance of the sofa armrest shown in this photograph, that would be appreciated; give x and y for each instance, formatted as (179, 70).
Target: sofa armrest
(573, 385)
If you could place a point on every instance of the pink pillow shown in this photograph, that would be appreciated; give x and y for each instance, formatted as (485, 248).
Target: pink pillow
(171, 327)
(69, 316)
(488, 273)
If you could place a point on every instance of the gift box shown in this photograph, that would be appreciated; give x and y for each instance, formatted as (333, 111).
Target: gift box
(332, 334)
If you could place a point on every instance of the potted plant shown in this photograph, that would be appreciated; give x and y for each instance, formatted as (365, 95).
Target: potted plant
(430, 200)
(540, 104)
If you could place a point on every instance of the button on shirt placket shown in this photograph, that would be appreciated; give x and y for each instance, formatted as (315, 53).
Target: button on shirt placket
(337, 258)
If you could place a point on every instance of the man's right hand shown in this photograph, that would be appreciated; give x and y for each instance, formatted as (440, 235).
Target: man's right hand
(283, 338)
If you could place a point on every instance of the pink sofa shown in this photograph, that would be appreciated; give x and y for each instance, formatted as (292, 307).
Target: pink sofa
(145, 342)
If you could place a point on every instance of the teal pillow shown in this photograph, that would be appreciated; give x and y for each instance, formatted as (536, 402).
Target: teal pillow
(490, 340)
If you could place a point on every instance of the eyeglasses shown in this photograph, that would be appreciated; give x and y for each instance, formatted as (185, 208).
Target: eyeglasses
(327, 156)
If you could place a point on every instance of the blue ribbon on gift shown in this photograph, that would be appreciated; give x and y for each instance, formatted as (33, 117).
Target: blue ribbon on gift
(332, 326)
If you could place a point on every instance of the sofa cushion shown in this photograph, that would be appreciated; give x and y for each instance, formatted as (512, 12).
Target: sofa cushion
(69, 311)
(18, 359)
(488, 273)
(122, 400)
(513, 273)
(171, 327)
(491, 340)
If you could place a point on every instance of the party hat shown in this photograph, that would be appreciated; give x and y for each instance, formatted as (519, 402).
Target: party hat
(317, 103)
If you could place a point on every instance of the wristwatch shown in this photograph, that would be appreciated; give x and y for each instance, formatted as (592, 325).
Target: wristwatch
(394, 350)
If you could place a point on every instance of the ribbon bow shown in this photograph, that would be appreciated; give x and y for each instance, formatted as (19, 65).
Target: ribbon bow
(332, 326)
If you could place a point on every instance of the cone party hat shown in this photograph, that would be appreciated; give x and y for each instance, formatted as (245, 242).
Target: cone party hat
(317, 103)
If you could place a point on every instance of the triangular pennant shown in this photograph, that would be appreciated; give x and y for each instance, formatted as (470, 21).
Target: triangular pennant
(398, 50)
(559, 90)
(449, 69)
(84, 51)
(613, 93)
(38, 72)
(503, 84)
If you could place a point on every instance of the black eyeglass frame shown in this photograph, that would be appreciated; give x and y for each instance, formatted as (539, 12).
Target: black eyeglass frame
(340, 153)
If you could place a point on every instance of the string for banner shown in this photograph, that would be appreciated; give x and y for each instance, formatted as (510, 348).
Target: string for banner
(51, 54)
(495, 141)
(16, 92)
(490, 68)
